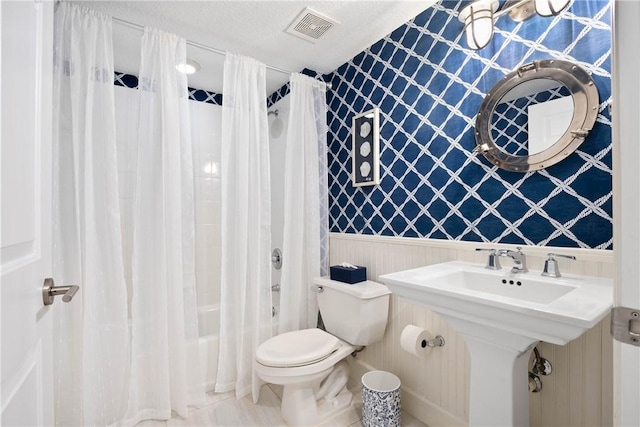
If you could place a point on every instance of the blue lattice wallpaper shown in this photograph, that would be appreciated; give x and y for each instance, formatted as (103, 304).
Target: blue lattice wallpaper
(429, 87)
(285, 89)
(131, 81)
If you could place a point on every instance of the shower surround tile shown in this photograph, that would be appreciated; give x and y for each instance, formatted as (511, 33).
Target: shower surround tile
(206, 137)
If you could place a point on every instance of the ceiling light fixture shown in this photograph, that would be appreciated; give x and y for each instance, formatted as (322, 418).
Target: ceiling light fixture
(479, 16)
(550, 7)
(189, 67)
(478, 22)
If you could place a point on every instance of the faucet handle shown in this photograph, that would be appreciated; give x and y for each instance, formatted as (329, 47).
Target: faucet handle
(552, 255)
(551, 268)
(493, 262)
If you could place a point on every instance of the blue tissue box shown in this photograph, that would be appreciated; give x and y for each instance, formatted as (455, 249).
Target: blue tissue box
(348, 275)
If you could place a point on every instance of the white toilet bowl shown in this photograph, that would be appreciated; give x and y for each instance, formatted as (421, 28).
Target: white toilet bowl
(310, 363)
(300, 361)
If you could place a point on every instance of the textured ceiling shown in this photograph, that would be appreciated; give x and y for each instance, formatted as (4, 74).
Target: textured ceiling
(256, 29)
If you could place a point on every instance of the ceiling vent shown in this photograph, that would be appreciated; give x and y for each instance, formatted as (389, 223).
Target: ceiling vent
(311, 25)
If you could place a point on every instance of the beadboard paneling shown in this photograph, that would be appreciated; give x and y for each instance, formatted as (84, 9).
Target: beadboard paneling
(436, 389)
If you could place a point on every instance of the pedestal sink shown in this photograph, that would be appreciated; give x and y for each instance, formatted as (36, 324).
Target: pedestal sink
(502, 316)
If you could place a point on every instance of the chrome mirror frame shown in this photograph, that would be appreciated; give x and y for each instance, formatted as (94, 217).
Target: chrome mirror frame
(585, 101)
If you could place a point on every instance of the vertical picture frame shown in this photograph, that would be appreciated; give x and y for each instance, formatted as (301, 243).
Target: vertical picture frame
(365, 148)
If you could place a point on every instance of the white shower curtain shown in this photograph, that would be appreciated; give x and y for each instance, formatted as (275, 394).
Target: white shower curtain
(245, 309)
(165, 373)
(91, 337)
(306, 226)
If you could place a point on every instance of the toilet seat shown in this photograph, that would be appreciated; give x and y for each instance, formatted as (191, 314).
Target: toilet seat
(297, 348)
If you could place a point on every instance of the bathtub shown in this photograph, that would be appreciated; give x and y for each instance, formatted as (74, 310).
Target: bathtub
(209, 333)
(209, 341)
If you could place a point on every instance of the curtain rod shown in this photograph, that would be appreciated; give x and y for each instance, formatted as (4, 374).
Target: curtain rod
(191, 43)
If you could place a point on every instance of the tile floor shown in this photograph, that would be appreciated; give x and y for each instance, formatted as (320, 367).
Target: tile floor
(224, 410)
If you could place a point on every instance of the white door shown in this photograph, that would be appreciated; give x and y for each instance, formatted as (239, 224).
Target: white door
(626, 167)
(547, 122)
(25, 240)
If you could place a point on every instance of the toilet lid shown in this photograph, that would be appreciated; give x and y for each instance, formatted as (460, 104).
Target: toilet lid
(297, 348)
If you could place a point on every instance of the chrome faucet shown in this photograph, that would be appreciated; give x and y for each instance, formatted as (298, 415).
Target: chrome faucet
(519, 259)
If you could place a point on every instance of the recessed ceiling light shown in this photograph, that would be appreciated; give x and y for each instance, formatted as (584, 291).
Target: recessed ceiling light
(189, 67)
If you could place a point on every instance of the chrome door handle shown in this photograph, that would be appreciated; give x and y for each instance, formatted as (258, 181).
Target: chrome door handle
(50, 290)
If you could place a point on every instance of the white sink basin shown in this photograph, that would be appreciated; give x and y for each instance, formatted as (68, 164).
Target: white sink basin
(556, 310)
(502, 316)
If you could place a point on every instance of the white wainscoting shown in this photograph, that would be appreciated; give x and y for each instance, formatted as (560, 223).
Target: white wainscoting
(436, 389)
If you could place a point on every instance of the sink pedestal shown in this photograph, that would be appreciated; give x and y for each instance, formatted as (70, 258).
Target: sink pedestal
(499, 393)
(501, 317)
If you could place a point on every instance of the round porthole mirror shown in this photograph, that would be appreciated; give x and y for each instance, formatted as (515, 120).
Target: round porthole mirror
(537, 115)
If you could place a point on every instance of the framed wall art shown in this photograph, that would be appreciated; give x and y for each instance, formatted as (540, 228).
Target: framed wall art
(365, 148)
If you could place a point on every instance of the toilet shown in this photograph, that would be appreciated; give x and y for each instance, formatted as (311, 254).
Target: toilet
(310, 363)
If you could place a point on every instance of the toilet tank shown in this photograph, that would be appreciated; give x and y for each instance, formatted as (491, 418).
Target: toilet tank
(356, 313)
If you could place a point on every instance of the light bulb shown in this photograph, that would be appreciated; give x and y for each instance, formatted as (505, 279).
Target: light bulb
(479, 32)
(189, 67)
(478, 22)
(550, 7)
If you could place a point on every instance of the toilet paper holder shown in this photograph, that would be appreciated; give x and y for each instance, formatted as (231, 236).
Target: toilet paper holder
(438, 341)
(419, 341)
